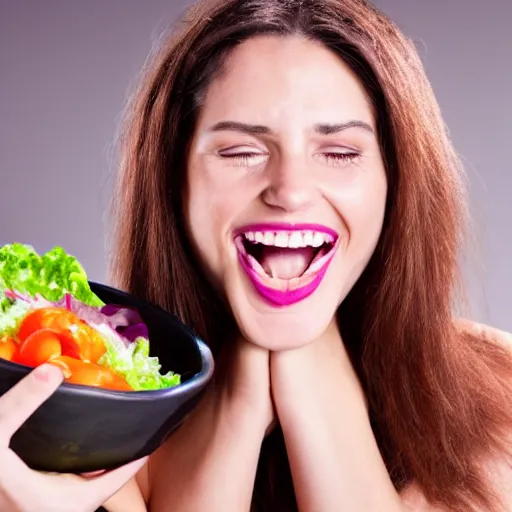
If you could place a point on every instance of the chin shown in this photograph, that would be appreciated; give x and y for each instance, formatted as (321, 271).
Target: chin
(284, 328)
(285, 338)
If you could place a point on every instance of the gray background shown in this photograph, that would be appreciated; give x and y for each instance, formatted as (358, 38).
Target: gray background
(66, 68)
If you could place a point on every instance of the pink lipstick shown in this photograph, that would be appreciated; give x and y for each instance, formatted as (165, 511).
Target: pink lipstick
(285, 262)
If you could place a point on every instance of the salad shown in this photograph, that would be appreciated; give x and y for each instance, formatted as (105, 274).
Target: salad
(49, 314)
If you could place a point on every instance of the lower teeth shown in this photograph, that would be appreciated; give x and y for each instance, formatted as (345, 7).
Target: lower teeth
(255, 265)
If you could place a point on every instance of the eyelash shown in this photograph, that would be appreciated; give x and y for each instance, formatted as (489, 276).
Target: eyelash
(338, 158)
(242, 159)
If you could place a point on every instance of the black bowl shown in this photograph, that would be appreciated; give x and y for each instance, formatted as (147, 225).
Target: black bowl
(82, 429)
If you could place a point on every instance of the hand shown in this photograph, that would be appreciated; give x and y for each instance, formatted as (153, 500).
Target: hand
(313, 371)
(25, 490)
(243, 379)
(333, 454)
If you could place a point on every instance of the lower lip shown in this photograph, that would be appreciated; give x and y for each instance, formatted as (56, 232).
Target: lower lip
(282, 298)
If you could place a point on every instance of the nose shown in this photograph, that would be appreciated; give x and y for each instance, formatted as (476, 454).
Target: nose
(291, 187)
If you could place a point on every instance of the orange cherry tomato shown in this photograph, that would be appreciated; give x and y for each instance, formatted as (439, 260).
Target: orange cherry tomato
(38, 348)
(8, 348)
(58, 336)
(51, 318)
(90, 343)
(90, 374)
(78, 339)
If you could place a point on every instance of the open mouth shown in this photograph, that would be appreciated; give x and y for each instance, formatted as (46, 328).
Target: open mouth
(286, 263)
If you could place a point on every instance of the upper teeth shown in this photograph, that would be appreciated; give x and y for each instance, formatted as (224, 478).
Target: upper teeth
(292, 239)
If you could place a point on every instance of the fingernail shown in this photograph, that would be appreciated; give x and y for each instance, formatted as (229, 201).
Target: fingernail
(47, 373)
(93, 474)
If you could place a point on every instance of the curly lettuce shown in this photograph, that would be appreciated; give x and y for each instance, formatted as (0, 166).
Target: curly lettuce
(133, 362)
(52, 275)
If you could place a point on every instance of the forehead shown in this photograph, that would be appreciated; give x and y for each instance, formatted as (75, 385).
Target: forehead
(274, 79)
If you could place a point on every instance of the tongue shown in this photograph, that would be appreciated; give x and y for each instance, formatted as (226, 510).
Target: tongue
(285, 263)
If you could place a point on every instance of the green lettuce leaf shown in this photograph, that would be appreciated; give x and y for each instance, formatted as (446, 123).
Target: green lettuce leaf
(135, 364)
(51, 275)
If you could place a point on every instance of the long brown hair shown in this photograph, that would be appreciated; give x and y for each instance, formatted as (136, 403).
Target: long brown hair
(438, 396)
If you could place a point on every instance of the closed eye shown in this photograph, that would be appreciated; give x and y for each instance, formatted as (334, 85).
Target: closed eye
(339, 158)
(244, 159)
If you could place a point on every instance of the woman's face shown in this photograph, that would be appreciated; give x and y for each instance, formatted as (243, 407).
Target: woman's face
(286, 187)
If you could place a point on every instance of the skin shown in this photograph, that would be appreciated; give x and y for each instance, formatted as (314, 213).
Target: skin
(287, 85)
(211, 464)
(293, 174)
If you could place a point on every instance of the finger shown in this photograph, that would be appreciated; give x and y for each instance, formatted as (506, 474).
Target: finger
(18, 404)
(112, 481)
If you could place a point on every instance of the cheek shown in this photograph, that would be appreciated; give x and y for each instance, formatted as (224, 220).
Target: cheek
(362, 205)
(213, 208)
(203, 218)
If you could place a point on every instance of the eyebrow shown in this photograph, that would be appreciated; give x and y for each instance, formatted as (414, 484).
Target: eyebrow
(321, 128)
(234, 126)
(328, 129)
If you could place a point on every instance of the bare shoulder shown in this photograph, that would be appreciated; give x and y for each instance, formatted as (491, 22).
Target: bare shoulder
(498, 469)
(414, 500)
(486, 332)
(499, 472)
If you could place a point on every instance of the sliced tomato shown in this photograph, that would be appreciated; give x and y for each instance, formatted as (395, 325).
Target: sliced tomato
(8, 348)
(78, 339)
(90, 374)
(89, 341)
(38, 348)
(58, 319)
(58, 336)
(70, 347)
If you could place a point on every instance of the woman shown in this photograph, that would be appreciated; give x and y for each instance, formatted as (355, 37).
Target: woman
(288, 189)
